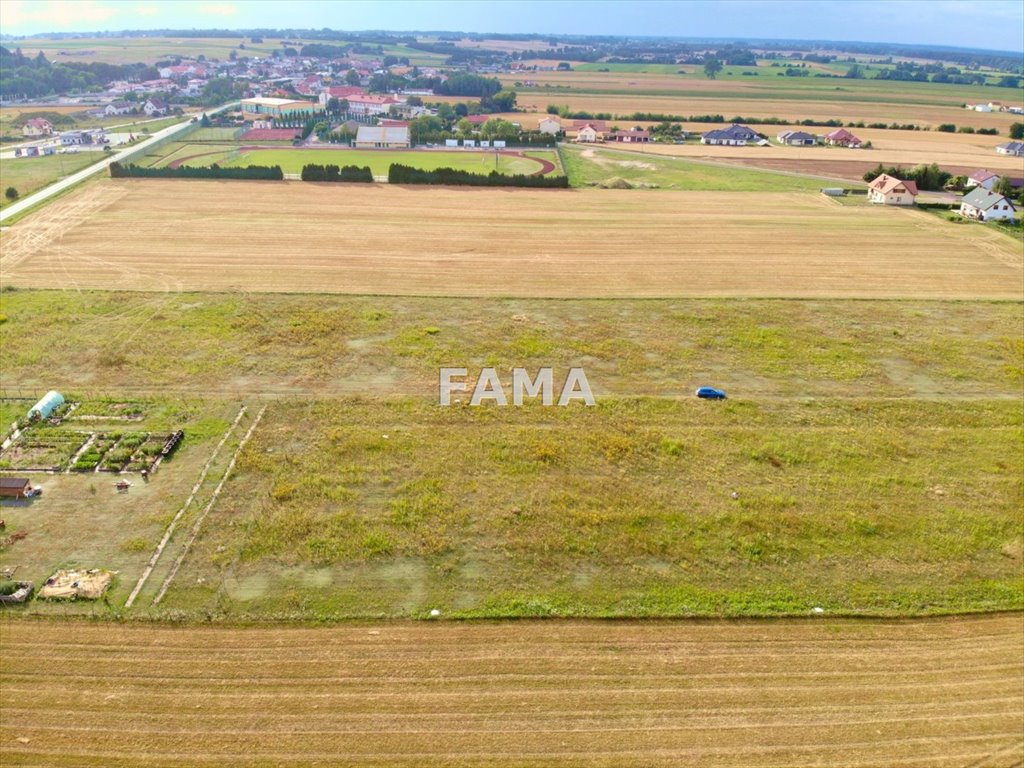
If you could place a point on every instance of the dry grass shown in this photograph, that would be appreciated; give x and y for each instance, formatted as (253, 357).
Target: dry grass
(272, 236)
(790, 693)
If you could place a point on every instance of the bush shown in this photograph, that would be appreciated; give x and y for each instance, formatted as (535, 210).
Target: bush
(334, 173)
(403, 174)
(258, 172)
(11, 193)
(947, 128)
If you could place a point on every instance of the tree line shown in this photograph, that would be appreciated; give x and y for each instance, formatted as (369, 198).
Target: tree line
(258, 172)
(352, 173)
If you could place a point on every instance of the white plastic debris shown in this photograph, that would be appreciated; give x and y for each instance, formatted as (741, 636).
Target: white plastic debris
(817, 609)
(435, 612)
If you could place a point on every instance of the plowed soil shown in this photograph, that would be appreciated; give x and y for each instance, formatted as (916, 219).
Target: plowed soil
(945, 692)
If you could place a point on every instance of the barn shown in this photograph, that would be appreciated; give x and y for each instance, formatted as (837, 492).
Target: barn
(14, 487)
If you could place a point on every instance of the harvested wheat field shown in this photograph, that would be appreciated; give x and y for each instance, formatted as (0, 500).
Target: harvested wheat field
(939, 692)
(904, 148)
(384, 239)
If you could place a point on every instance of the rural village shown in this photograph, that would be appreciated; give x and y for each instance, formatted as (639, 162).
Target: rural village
(245, 294)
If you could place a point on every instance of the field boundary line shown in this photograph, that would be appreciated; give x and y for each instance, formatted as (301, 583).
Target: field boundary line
(174, 521)
(213, 500)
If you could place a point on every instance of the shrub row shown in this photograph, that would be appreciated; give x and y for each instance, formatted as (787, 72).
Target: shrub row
(334, 173)
(403, 174)
(262, 172)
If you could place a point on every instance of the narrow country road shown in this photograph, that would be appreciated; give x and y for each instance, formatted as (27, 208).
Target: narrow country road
(59, 186)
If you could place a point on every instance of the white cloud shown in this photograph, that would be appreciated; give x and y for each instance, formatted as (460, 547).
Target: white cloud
(147, 9)
(219, 9)
(58, 13)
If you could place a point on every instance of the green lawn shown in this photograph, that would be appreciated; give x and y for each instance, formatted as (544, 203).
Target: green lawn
(595, 166)
(346, 508)
(292, 160)
(28, 174)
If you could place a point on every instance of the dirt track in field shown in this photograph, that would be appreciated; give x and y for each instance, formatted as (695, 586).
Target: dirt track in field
(940, 692)
(389, 239)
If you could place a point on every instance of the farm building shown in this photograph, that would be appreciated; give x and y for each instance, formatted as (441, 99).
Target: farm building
(549, 125)
(983, 205)
(118, 108)
(888, 190)
(797, 139)
(1015, 148)
(49, 402)
(983, 179)
(735, 135)
(382, 137)
(75, 138)
(635, 136)
(273, 107)
(842, 138)
(155, 106)
(588, 134)
(37, 126)
(14, 487)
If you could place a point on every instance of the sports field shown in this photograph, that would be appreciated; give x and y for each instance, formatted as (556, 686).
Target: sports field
(292, 160)
(940, 692)
(150, 235)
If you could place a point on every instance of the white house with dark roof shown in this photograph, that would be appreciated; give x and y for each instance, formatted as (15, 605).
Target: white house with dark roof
(155, 106)
(1014, 148)
(119, 108)
(797, 138)
(984, 205)
(735, 135)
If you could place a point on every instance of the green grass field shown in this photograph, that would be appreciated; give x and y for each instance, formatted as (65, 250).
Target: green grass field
(873, 447)
(598, 166)
(28, 174)
(292, 160)
(382, 346)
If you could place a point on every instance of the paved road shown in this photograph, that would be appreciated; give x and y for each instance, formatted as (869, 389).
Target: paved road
(75, 178)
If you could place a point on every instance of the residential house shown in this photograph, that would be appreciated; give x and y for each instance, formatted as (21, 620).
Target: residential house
(888, 190)
(588, 134)
(983, 205)
(37, 126)
(601, 126)
(797, 139)
(635, 136)
(119, 108)
(983, 179)
(382, 137)
(735, 135)
(1015, 148)
(155, 107)
(842, 138)
(549, 125)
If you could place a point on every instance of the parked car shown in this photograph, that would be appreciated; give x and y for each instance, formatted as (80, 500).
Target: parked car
(710, 393)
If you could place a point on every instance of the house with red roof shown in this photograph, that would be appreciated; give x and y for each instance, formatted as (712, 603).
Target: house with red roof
(888, 190)
(37, 126)
(842, 138)
(370, 105)
(984, 179)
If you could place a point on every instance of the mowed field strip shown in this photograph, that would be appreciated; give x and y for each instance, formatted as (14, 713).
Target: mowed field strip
(940, 692)
(385, 239)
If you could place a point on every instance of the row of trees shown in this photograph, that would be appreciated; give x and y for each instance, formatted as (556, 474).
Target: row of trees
(404, 174)
(927, 177)
(258, 172)
(351, 173)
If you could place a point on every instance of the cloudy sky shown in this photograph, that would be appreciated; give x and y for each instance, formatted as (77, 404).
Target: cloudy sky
(994, 24)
